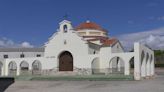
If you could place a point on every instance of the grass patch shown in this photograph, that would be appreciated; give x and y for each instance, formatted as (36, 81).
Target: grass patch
(76, 78)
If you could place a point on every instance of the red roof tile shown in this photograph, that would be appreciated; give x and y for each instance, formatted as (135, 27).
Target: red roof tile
(89, 25)
(110, 41)
(104, 40)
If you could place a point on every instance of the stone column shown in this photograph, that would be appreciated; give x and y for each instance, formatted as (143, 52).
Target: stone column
(137, 62)
(18, 71)
(127, 68)
(119, 65)
(152, 67)
(30, 67)
(110, 67)
(2, 70)
(148, 68)
(6, 70)
(143, 68)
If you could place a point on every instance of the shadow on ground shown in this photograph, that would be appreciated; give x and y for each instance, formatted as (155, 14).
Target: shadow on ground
(5, 82)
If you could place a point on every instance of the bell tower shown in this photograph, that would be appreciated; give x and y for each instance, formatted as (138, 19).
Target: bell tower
(65, 26)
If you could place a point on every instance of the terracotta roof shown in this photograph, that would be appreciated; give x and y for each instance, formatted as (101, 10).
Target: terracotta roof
(109, 42)
(92, 39)
(89, 25)
(104, 40)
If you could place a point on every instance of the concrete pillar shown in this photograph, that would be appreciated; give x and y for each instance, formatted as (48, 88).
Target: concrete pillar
(148, 68)
(110, 67)
(30, 66)
(137, 62)
(127, 68)
(143, 68)
(152, 67)
(119, 65)
(18, 71)
(1, 66)
(6, 69)
(2, 70)
(103, 53)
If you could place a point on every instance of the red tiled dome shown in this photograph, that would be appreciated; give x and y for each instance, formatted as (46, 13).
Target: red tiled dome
(89, 25)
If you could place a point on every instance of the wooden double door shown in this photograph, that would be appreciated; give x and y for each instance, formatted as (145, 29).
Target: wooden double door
(65, 61)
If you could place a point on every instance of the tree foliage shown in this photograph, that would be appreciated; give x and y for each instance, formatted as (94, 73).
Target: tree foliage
(159, 57)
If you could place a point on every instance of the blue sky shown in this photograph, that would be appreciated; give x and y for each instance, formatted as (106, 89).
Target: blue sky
(34, 21)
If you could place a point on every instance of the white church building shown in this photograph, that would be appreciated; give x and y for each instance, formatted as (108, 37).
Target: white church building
(82, 50)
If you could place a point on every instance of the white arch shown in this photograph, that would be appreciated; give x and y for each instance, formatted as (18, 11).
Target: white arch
(24, 67)
(95, 65)
(36, 67)
(12, 67)
(125, 57)
(117, 65)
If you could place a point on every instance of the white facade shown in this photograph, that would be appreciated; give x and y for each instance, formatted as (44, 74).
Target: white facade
(84, 56)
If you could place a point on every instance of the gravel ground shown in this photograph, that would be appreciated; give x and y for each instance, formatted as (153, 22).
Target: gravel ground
(147, 85)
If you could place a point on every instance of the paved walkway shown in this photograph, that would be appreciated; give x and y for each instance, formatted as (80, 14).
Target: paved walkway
(151, 85)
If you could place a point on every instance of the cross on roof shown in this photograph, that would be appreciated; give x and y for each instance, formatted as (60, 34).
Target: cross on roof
(65, 16)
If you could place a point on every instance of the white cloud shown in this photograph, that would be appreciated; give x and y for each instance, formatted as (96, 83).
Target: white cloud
(5, 42)
(153, 38)
(27, 44)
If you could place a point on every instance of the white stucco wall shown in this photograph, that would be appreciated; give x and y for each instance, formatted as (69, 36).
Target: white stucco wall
(117, 48)
(17, 54)
(83, 56)
(74, 44)
(88, 31)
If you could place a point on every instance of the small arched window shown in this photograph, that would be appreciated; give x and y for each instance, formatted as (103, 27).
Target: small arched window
(65, 28)
(94, 52)
(22, 55)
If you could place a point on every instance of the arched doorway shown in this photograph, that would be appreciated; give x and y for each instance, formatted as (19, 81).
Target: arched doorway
(1, 65)
(95, 66)
(36, 67)
(65, 61)
(24, 67)
(12, 68)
